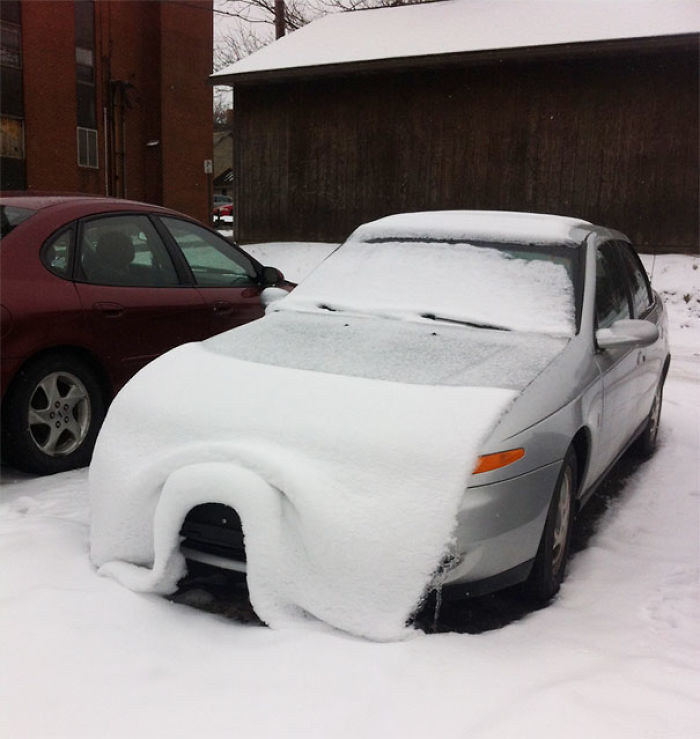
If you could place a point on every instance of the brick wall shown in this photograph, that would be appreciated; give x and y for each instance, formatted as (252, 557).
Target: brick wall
(153, 100)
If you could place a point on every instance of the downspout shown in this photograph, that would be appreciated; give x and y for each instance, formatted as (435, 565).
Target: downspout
(105, 132)
(122, 134)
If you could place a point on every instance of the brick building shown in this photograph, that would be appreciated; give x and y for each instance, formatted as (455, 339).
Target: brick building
(108, 98)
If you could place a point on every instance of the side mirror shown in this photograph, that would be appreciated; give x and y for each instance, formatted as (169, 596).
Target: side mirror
(627, 333)
(271, 276)
(272, 295)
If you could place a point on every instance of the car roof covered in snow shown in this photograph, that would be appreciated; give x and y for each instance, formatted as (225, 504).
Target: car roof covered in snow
(450, 27)
(486, 225)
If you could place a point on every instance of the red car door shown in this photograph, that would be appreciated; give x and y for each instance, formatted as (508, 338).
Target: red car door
(134, 300)
(225, 276)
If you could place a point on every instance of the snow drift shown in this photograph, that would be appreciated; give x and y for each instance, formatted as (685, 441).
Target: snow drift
(347, 503)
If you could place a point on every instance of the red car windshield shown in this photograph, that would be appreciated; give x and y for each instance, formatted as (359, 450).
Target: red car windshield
(11, 217)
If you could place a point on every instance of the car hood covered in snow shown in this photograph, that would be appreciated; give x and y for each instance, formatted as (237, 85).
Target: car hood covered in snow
(347, 486)
(424, 352)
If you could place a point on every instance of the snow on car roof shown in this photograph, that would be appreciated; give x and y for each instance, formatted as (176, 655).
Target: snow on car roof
(476, 224)
(461, 26)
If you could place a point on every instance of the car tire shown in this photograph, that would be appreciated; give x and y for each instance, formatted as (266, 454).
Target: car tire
(645, 443)
(550, 562)
(51, 415)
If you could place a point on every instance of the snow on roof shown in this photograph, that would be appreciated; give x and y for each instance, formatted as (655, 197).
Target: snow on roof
(476, 224)
(461, 26)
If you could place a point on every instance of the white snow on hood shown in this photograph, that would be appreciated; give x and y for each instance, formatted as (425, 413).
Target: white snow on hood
(422, 352)
(347, 487)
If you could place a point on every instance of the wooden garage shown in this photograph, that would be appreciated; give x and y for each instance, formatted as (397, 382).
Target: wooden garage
(461, 104)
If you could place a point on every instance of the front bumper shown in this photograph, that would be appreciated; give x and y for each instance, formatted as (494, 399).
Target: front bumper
(498, 531)
(499, 526)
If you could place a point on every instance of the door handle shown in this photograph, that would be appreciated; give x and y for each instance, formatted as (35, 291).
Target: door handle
(109, 310)
(223, 306)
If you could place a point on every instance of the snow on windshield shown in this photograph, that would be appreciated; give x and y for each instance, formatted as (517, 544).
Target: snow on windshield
(524, 289)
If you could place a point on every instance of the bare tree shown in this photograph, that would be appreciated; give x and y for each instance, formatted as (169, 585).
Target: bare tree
(239, 41)
(221, 107)
(255, 20)
(252, 27)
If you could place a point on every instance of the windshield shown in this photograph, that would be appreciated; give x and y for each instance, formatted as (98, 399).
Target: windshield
(490, 285)
(11, 217)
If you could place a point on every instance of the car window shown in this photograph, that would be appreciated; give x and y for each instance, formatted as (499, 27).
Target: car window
(214, 262)
(57, 252)
(124, 250)
(611, 299)
(11, 217)
(641, 290)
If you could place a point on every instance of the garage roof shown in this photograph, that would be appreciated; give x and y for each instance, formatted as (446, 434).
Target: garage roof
(440, 29)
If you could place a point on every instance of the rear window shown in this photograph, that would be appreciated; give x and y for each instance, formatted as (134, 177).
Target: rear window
(11, 217)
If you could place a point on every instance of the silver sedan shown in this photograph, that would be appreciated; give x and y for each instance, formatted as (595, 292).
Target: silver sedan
(598, 397)
(428, 410)
(582, 402)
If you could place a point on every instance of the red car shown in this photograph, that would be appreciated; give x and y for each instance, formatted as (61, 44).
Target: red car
(222, 214)
(92, 289)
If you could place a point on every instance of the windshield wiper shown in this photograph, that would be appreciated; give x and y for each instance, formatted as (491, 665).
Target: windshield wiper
(433, 317)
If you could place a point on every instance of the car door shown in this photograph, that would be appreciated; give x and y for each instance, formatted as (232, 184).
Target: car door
(651, 358)
(618, 366)
(131, 292)
(225, 276)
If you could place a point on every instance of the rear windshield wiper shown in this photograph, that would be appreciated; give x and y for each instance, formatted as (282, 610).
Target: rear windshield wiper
(433, 317)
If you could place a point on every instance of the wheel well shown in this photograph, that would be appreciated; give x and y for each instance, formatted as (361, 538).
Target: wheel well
(581, 444)
(84, 356)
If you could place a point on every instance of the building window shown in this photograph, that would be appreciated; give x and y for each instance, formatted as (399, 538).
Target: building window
(10, 45)
(12, 165)
(87, 147)
(11, 137)
(85, 82)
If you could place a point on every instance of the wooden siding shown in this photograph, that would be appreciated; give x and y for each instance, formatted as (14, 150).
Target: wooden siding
(613, 139)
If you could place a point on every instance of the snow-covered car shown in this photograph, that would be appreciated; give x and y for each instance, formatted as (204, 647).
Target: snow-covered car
(427, 410)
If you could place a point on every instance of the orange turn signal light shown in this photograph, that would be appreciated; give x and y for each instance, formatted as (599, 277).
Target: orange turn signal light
(501, 459)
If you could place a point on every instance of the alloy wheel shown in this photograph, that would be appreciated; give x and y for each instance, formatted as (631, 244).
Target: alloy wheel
(561, 527)
(59, 414)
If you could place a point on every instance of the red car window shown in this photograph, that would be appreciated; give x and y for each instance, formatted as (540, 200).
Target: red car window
(11, 216)
(56, 254)
(124, 250)
(214, 261)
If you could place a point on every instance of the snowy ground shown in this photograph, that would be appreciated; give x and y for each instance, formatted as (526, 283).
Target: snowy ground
(617, 654)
